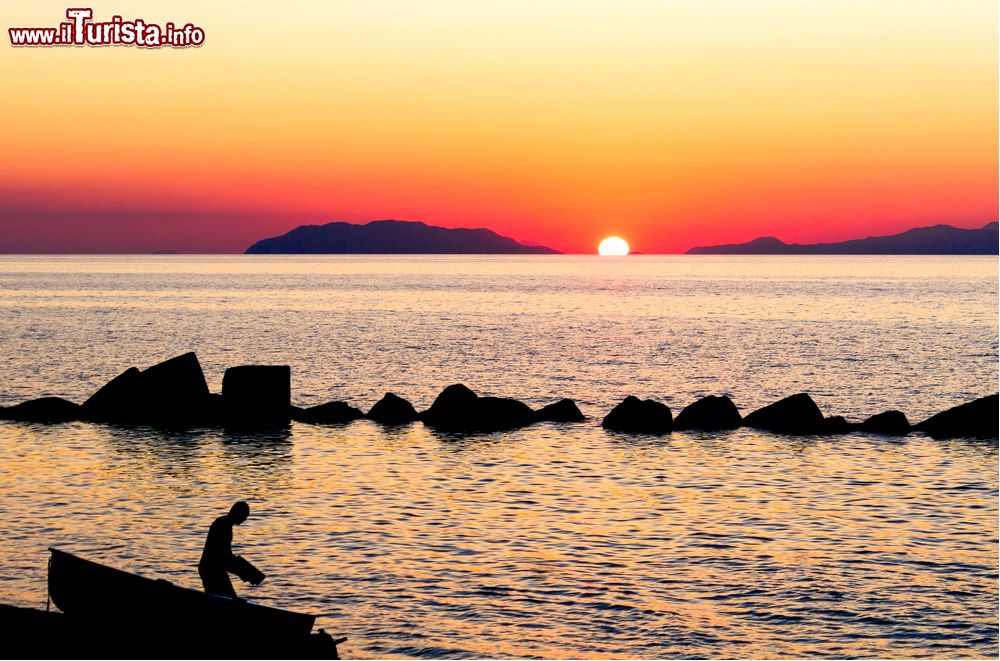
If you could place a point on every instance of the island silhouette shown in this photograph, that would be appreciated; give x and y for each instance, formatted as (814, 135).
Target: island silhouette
(934, 240)
(389, 237)
(392, 237)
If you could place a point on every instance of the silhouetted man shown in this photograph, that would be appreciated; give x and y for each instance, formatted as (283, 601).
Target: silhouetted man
(217, 560)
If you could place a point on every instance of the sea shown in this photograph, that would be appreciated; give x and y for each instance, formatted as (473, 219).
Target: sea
(556, 540)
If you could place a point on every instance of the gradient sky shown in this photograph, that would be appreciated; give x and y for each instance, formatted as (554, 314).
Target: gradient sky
(671, 124)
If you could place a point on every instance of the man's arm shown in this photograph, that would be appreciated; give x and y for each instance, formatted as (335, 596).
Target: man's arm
(246, 571)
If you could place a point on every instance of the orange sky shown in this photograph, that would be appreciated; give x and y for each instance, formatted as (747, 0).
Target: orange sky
(671, 124)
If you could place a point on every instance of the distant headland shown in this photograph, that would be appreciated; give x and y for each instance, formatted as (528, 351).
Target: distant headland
(934, 240)
(390, 237)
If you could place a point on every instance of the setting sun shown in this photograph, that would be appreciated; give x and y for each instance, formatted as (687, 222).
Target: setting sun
(613, 246)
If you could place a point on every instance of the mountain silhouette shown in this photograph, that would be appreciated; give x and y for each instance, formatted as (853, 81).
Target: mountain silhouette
(392, 237)
(934, 240)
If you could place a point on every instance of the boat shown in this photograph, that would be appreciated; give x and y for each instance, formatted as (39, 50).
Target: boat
(89, 591)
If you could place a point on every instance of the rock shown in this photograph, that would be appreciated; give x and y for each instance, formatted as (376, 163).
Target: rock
(173, 384)
(393, 410)
(452, 407)
(499, 413)
(639, 415)
(174, 394)
(890, 423)
(257, 396)
(331, 413)
(565, 410)
(458, 409)
(118, 400)
(837, 424)
(709, 413)
(797, 414)
(214, 413)
(975, 419)
(169, 394)
(44, 409)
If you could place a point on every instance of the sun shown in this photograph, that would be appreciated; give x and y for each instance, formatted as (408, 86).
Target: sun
(613, 246)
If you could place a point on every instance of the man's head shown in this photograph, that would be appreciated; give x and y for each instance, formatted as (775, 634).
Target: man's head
(239, 512)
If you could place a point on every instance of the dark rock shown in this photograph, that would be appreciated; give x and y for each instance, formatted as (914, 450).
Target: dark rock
(257, 396)
(709, 413)
(797, 414)
(331, 413)
(175, 394)
(174, 384)
(890, 423)
(393, 410)
(118, 400)
(975, 419)
(45, 409)
(498, 413)
(642, 416)
(565, 410)
(458, 409)
(213, 414)
(836, 424)
(170, 394)
(453, 407)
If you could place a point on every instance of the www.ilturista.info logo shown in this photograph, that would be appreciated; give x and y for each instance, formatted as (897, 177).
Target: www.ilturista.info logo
(80, 30)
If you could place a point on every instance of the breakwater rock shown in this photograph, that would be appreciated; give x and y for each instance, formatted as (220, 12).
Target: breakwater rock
(643, 416)
(257, 396)
(710, 413)
(393, 410)
(174, 394)
(565, 410)
(797, 414)
(331, 413)
(458, 409)
(975, 419)
(44, 409)
(890, 423)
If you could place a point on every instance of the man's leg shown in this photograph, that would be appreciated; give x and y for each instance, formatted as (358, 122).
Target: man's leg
(217, 582)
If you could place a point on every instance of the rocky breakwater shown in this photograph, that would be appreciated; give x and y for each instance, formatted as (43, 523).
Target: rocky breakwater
(174, 394)
(459, 409)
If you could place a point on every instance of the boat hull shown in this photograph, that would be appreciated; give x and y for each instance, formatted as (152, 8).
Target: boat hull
(87, 590)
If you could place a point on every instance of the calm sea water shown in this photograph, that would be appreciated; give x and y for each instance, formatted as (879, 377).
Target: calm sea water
(553, 541)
